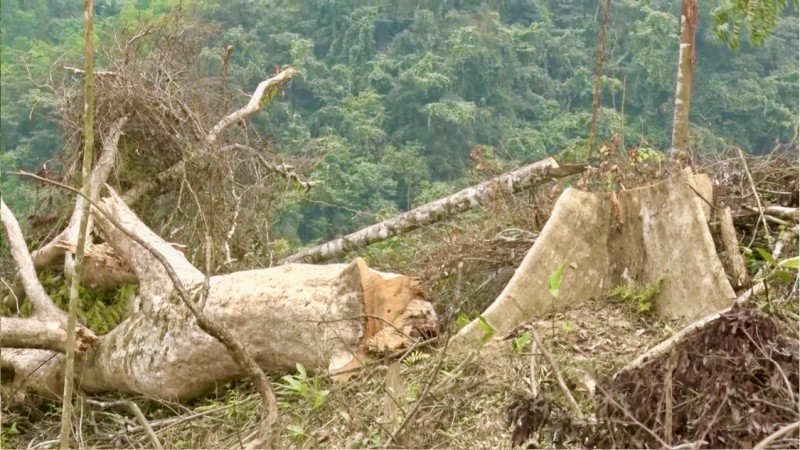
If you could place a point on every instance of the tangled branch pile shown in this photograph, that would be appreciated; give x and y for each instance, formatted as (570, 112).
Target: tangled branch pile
(730, 385)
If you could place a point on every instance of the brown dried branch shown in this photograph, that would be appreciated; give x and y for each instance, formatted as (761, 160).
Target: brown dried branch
(283, 170)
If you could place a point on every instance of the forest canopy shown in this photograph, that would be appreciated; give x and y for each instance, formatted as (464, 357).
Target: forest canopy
(392, 98)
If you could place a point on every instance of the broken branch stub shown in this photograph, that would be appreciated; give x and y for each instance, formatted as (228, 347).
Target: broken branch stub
(656, 234)
(509, 183)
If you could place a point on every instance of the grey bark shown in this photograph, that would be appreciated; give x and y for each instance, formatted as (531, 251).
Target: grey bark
(509, 183)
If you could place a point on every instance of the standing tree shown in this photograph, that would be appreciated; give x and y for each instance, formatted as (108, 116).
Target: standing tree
(86, 174)
(683, 91)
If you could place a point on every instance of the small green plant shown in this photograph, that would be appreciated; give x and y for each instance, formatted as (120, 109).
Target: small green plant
(555, 281)
(415, 358)
(462, 320)
(486, 328)
(302, 386)
(639, 298)
(521, 342)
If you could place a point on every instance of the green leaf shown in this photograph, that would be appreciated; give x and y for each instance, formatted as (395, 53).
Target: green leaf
(555, 280)
(462, 320)
(487, 329)
(522, 341)
(301, 370)
(767, 256)
(786, 277)
(791, 263)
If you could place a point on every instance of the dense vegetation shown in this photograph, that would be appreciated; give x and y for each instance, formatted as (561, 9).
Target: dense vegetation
(394, 96)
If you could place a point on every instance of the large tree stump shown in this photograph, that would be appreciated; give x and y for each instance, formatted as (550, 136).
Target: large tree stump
(644, 235)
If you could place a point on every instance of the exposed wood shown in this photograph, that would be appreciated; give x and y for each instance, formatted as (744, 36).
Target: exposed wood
(333, 310)
(53, 252)
(606, 244)
(44, 334)
(734, 261)
(509, 183)
(667, 345)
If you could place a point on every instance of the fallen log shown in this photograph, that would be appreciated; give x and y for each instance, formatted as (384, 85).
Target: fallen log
(509, 183)
(656, 234)
(325, 317)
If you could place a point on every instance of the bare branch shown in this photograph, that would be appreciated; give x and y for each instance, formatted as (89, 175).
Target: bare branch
(283, 170)
(43, 306)
(43, 334)
(265, 88)
(253, 106)
(238, 353)
(53, 251)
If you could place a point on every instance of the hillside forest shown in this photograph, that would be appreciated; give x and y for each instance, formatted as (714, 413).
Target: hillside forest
(399, 224)
(393, 97)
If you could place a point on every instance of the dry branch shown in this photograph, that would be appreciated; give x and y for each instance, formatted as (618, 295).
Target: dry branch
(266, 89)
(464, 200)
(734, 262)
(283, 170)
(53, 251)
(43, 306)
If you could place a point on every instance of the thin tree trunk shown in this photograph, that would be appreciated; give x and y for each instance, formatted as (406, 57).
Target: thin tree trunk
(683, 90)
(464, 200)
(601, 53)
(88, 154)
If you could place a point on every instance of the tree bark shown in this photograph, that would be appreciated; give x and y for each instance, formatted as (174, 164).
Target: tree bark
(325, 317)
(73, 271)
(601, 54)
(509, 183)
(607, 240)
(734, 262)
(683, 90)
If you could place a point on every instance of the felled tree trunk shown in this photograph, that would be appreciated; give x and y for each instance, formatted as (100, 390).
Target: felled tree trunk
(512, 182)
(325, 317)
(640, 236)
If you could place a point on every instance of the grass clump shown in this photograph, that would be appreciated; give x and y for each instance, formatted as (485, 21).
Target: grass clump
(640, 298)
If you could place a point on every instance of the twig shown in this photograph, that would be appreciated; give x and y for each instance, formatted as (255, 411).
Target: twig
(134, 408)
(668, 396)
(284, 170)
(630, 416)
(550, 360)
(758, 198)
(534, 382)
(396, 435)
(777, 435)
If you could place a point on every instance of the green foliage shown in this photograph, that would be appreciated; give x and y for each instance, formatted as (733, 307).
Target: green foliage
(520, 343)
(415, 358)
(639, 298)
(100, 310)
(487, 330)
(759, 17)
(304, 388)
(392, 96)
(554, 282)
